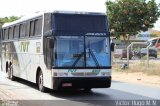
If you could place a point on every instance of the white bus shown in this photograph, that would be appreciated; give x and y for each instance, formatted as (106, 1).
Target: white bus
(58, 50)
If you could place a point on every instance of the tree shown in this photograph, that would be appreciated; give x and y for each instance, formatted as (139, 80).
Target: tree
(8, 19)
(128, 17)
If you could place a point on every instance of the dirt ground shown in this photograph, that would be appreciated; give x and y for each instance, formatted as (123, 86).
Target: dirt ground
(137, 78)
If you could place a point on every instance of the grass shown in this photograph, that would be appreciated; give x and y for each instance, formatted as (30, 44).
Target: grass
(153, 69)
(1, 102)
(141, 66)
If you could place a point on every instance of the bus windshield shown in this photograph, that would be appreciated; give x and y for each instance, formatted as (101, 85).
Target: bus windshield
(77, 51)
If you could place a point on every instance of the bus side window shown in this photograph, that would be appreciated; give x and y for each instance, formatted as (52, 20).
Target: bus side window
(11, 32)
(38, 27)
(47, 23)
(6, 34)
(27, 29)
(16, 31)
(32, 28)
(48, 53)
(22, 30)
(2, 35)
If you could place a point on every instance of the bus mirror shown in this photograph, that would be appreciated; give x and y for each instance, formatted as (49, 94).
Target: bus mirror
(51, 43)
(112, 47)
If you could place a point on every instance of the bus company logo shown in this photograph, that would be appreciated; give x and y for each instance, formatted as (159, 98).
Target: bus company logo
(38, 47)
(96, 71)
(72, 70)
(24, 46)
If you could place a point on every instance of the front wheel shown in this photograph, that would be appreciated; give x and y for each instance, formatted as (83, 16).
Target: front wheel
(40, 82)
(87, 89)
(10, 73)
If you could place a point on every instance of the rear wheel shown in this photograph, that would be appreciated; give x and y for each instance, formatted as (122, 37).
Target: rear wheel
(40, 82)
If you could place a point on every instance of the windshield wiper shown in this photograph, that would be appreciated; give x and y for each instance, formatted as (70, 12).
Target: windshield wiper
(77, 60)
(94, 57)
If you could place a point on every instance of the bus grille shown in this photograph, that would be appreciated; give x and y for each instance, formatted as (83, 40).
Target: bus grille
(84, 74)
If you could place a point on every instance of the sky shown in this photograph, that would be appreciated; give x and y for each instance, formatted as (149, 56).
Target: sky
(26, 7)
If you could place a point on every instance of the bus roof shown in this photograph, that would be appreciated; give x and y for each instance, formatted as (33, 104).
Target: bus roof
(78, 12)
(25, 18)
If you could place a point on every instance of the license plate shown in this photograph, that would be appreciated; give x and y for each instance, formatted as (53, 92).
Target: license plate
(66, 84)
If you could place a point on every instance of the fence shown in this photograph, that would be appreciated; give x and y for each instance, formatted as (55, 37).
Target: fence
(137, 59)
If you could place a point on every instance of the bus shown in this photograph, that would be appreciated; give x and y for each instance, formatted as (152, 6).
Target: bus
(58, 50)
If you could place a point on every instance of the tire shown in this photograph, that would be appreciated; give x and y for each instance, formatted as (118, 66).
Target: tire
(87, 89)
(40, 82)
(10, 73)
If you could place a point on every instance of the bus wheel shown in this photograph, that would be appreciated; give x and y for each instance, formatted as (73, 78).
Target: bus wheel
(87, 89)
(10, 73)
(40, 82)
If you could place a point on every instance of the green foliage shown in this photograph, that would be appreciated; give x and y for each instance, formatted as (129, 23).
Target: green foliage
(153, 35)
(128, 17)
(8, 19)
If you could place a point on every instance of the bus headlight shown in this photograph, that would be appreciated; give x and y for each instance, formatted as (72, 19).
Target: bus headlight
(65, 74)
(105, 73)
(55, 74)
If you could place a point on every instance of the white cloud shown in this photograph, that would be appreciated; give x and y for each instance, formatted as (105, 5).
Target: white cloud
(23, 7)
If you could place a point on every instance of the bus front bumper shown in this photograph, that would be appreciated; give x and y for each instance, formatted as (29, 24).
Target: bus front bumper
(81, 82)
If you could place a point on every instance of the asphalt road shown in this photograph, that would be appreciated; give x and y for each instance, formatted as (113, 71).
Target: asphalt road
(118, 94)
